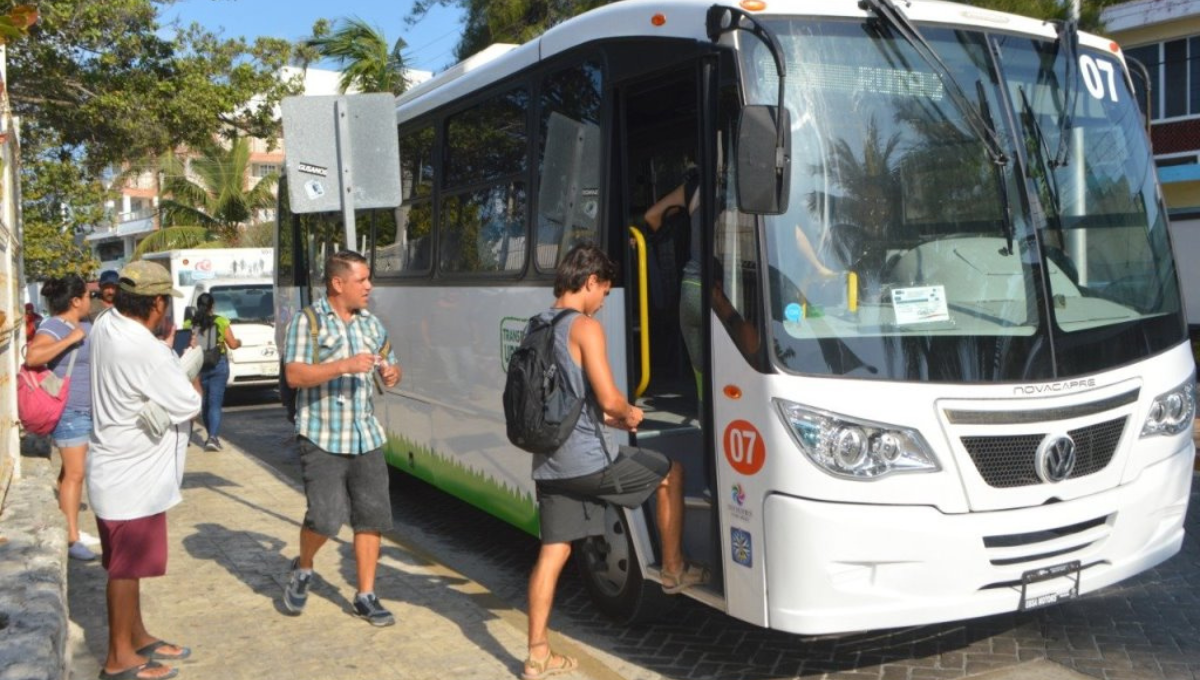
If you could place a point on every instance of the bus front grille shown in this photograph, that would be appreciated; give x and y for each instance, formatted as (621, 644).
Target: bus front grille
(1008, 461)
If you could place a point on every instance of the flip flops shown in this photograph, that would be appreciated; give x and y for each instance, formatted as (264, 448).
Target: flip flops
(553, 664)
(679, 581)
(135, 673)
(153, 651)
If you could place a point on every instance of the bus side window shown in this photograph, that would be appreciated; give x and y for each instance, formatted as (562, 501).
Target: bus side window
(568, 201)
(402, 240)
(484, 205)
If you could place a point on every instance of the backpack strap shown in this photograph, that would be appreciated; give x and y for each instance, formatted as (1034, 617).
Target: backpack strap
(314, 330)
(71, 363)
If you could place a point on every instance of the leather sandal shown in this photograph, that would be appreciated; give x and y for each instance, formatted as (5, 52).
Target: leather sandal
(536, 669)
(679, 581)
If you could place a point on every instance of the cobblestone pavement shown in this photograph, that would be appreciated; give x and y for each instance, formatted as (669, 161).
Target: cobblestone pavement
(1145, 628)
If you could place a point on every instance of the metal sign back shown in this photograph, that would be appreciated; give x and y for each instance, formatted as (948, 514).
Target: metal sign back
(342, 152)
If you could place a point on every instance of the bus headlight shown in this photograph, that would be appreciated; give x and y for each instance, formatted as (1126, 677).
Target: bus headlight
(855, 449)
(1172, 412)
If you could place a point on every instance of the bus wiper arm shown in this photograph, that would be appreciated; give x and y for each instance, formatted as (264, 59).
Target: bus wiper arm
(887, 10)
(1039, 140)
(1001, 173)
(1068, 39)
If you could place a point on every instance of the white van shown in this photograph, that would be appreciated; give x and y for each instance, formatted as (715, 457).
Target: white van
(249, 304)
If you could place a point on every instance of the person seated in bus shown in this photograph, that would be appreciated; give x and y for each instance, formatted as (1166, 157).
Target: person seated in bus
(575, 481)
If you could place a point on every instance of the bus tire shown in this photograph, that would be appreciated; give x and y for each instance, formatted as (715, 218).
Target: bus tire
(609, 568)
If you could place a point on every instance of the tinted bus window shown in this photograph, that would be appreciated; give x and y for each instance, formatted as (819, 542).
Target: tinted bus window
(484, 206)
(484, 231)
(403, 244)
(487, 141)
(570, 162)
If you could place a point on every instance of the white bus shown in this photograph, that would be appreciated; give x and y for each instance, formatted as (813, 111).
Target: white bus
(974, 395)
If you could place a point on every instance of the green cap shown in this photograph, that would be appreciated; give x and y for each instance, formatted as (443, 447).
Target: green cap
(147, 278)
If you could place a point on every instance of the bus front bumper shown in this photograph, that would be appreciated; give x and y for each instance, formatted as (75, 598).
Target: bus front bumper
(835, 567)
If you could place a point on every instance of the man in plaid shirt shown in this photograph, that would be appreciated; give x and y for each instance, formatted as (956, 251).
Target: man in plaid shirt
(340, 441)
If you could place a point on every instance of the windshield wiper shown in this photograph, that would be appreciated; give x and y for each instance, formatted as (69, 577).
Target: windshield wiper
(887, 11)
(986, 112)
(1044, 163)
(1068, 40)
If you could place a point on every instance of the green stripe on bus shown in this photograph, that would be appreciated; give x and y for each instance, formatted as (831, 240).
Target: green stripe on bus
(513, 505)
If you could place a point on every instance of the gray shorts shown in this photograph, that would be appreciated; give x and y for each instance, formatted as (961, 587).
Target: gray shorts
(343, 488)
(573, 508)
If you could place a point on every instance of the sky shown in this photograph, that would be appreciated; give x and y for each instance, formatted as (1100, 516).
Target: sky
(430, 43)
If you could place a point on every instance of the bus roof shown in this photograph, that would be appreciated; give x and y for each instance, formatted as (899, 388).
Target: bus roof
(684, 19)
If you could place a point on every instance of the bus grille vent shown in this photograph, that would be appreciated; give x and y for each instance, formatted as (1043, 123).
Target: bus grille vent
(1056, 542)
(1008, 461)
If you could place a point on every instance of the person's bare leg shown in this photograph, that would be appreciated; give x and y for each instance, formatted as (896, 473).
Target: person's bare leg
(670, 518)
(70, 487)
(366, 557)
(310, 543)
(543, 581)
(124, 618)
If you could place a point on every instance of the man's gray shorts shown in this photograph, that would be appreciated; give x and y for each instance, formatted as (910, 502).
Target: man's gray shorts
(342, 488)
(574, 508)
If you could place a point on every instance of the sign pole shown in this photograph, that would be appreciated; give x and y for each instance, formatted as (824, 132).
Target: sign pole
(345, 162)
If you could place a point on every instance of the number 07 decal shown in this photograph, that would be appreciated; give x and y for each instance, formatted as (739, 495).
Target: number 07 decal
(1099, 76)
(744, 447)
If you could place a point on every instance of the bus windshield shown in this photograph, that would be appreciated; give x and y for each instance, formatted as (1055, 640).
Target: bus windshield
(909, 253)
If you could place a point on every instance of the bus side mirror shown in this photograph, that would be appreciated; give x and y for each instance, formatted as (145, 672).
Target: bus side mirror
(764, 160)
(188, 313)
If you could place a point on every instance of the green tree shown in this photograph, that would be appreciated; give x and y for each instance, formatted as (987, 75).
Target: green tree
(362, 52)
(209, 200)
(102, 83)
(58, 203)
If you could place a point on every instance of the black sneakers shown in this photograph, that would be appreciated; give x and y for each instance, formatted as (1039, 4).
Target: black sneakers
(368, 607)
(295, 596)
(295, 593)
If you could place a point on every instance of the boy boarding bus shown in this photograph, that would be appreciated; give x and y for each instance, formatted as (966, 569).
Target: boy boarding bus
(944, 369)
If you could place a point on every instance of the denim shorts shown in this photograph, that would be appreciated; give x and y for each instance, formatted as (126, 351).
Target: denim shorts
(73, 429)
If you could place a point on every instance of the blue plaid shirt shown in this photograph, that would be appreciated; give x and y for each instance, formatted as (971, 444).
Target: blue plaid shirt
(338, 416)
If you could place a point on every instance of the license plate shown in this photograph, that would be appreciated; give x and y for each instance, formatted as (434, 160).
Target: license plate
(1069, 591)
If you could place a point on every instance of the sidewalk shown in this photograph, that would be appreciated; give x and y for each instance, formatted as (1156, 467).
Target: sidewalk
(231, 541)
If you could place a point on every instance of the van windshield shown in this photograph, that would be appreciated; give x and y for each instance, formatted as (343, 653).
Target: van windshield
(245, 304)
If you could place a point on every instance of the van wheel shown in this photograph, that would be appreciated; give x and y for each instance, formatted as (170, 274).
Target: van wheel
(609, 567)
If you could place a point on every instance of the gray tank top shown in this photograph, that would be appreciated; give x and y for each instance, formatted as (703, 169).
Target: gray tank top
(582, 453)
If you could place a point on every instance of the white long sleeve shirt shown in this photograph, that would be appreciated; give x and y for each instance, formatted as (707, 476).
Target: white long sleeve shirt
(130, 474)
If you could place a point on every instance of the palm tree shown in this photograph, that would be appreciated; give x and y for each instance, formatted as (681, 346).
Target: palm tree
(362, 52)
(211, 210)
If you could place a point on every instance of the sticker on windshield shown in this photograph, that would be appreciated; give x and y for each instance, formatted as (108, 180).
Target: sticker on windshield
(1099, 76)
(920, 305)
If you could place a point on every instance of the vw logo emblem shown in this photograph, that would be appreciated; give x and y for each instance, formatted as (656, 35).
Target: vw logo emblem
(1055, 459)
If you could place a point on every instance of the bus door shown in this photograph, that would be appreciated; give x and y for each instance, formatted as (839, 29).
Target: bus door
(659, 147)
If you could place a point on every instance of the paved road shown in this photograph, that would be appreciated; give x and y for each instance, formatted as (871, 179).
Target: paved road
(1145, 628)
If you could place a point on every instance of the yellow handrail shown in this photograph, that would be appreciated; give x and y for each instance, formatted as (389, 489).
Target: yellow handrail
(643, 311)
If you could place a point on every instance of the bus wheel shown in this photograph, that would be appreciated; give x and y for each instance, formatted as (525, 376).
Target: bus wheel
(610, 571)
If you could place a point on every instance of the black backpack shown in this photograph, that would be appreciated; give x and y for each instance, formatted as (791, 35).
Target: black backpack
(539, 409)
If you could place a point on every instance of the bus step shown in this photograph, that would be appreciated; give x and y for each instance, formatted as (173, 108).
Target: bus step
(706, 593)
(703, 502)
(664, 431)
